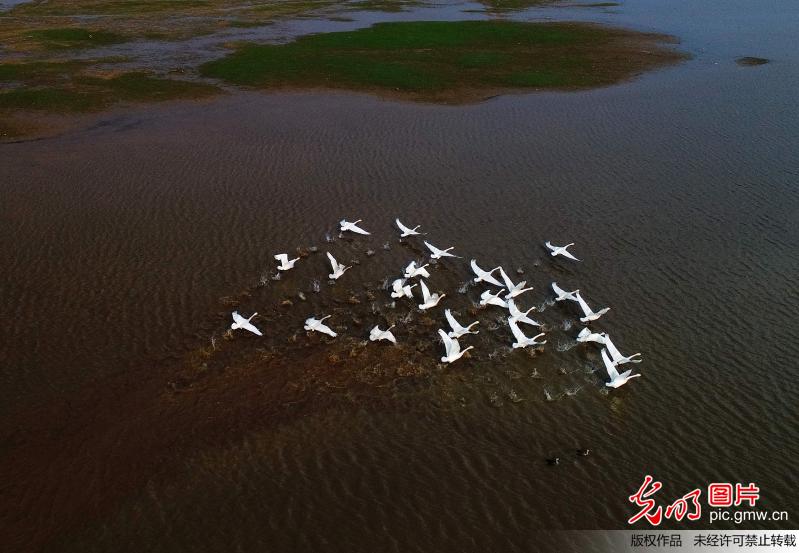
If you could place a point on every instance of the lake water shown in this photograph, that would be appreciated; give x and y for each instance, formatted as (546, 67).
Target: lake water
(679, 188)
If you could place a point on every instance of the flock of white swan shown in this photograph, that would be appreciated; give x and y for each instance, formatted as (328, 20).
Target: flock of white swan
(502, 296)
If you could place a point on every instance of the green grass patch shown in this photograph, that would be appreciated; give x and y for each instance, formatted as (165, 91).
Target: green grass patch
(74, 37)
(444, 59)
(37, 70)
(108, 7)
(246, 24)
(142, 87)
(85, 93)
(388, 6)
(48, 99)
(513, 5)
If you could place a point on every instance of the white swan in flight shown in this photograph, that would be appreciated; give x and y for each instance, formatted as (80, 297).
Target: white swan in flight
(452, 348)
(523, 341)
(485, 276)
(338, 268)
(413, 271)
(519, 316)
(616, 379)
(618, 358)
(405, 230)
(352, 227)
(316, 325)
(590, 315)
(586, 335)
(428, 300)
(241, 322)
(439, 253)
(285, 262)
(458, 329)
(487, 298)
(513, 289)
(561, 250)
(561, 294)
(401, 289)
(376, 334)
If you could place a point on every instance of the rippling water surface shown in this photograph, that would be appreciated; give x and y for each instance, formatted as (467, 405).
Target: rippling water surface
(120, 239)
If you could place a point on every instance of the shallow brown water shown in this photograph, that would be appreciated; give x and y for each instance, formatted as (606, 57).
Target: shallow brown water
(121, 239)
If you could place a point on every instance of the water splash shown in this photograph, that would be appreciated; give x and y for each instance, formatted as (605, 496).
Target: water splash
(565, 346)
(514, 397)
(571, 392)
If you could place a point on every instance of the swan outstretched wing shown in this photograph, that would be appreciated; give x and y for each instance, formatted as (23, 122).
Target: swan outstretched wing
(517, 332)
(450, 346)
(508, 282)
(333, 262)
(484, 275)
(525, 319)
(425, 292)
(611, 368)
(455, 325)
(559, 291)
(478, 272)
(568, 254)
(432, 248)
(488, 296)
(251, 327)
(311, 322)
(283, 258)
(238, 318)
(584, 306)
(626, 374)
(403, 228)
(514, 310)
(355, 228)
(614, 352)
(321, 327)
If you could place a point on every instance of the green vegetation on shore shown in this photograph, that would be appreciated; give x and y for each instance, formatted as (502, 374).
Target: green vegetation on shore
(446, 60)
(74, 37)
(512, 5)
(57, 59)
(46, 91)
